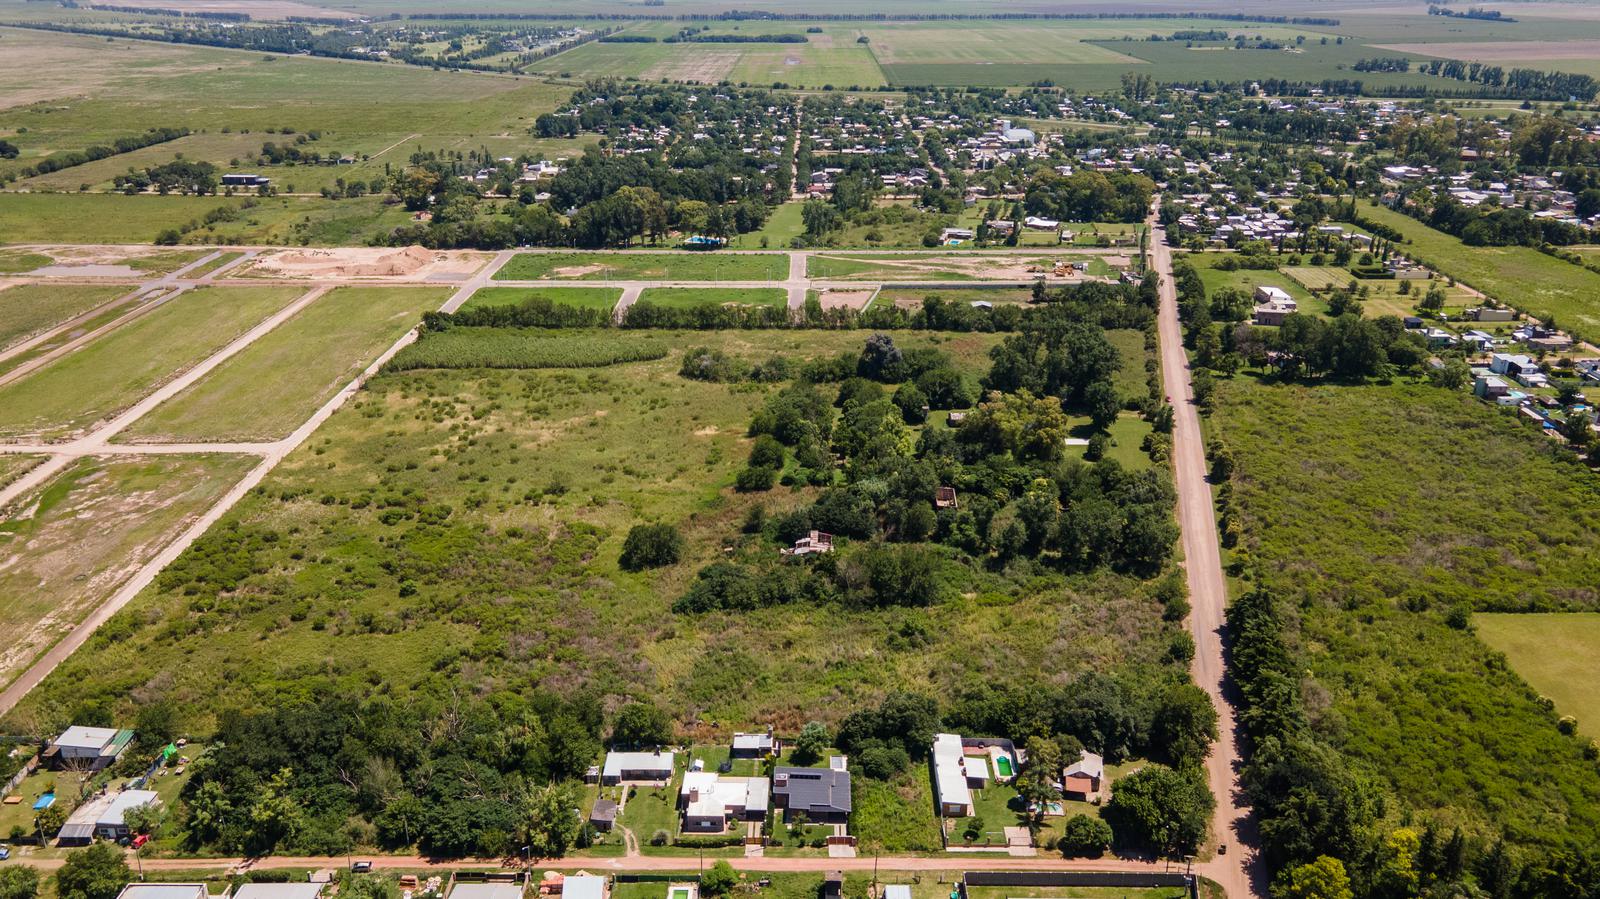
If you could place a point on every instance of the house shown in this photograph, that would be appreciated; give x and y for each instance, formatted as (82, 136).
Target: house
(584, 886)
(104, 816)
(163, 891)
(753, 746)
(950, 777)
(488, 890)
(814, 542)
(1485, 314)
(1438, 337)
(1511, 364)
(642, 767)
(1036, 223)
(897, 891)
(944, 498)
(1081, 779)
(603, 816)
(243, 180)
(87, 748)
(956, 234)
(1019, 137)
(955, 419)
(1273, 305)
(1489, 387)
(821, 794)
(710, 801)
(833, 885)
(279, 891)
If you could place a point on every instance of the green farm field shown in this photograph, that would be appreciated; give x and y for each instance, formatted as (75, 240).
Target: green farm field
(114, 371)
(27, 309)
(1554, 653)
(525, 483)
(114, 218)
(1520, 277)
(73, 541)
(686, 266)
(691, 297)
(277, 382)
(602, 298)
(829, 59)
(1373, 512)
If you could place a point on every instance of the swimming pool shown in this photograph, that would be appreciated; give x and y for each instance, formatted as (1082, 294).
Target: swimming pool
(45, 801)
(1002, 765)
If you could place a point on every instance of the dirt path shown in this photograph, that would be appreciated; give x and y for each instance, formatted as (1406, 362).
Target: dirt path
(1239, 870)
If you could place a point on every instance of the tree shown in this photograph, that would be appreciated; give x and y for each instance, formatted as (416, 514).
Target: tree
(720, 880)
(1185, 725)
(98, 872)
(1101, 399)
(651, 546)
(48, 821)
(1037, 782)
(551, 822)
(1160, 808)
(1323, 878)
(1084, 837)
(812, 742)
(641, 724)
(18, 882)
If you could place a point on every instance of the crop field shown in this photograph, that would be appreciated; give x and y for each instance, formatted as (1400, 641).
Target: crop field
(829, 59)
(1554, 653)
(274, 384)
(116, 370)
(691, 297)
(602, 298)
(562, 462)
(1521, 277)
(71, 543)
(646, 267)
(27, 309)
(1374, 540)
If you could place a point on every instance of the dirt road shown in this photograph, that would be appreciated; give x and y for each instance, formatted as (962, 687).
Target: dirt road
(1238, 870)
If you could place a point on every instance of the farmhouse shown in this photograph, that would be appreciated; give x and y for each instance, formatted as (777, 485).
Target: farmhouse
(1081, 779)
(87, 748)
(1273, 305)
(821, 794)
(104, 816)
(641, 767)
(812, 543)
(753, 746)
(710, 801)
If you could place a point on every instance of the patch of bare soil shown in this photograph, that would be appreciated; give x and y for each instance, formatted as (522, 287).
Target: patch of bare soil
(409, 264)
(576, 271)
(845, 298)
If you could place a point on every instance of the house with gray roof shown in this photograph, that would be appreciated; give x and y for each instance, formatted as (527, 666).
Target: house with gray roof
(822, 794)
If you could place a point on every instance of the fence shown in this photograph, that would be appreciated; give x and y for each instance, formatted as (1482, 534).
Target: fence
(27, 769)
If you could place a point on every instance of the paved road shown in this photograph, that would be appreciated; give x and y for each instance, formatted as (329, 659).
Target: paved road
(1238, 871)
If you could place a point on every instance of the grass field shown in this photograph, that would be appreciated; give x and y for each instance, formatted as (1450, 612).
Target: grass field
(829, 59)
(542, 473)
(1372, 513)
(1554, 653)
(646, 267)
(1383, 296)
(602, 298)
(1248, 280)
(116, 370)
(14, 261)
(27, 309)
(690, 297)
(274, 385)
(1521, 277)
(71, 543)
(13, 466)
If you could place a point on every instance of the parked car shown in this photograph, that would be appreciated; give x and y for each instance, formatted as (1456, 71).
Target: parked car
(5, 853)
(361, 867)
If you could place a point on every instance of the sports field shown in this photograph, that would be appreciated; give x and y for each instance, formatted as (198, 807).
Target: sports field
(277, 382)
(1555, 653)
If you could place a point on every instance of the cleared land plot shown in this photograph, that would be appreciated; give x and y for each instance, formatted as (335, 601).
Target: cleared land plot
(1247, 280)
(936, 267)
(690, 297)
(602, 298)
(115, 371)
(985, 43)
(13, 466)
(1521, 277)
(276, 383)
(1554, 653)
(27, 309)
(1383, 296)
(802, 65)
(913, 297)
(213, 147)
(646, 267)
(71, 543)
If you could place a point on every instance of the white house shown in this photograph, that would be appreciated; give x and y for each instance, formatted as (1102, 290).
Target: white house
(648, 767)
(710, 801)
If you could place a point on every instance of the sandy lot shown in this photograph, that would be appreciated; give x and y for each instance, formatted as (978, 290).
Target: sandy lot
(1503, 51)
(707, 66)
(997, 267)
(844, 298)
(409, 264)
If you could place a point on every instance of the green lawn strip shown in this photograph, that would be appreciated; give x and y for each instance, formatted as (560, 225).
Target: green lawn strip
(1553, 652)
(602, 298)
(682, 266)
(651, 811)
(782, 226)
(1130, 378)
(1522, 277)
(27, 309)
(690, 297)
(213, 265)
(164, 263)
(527, 348)
(276, 383)
(74, 540)
(119, 368)
(1018, 892)
(896, 815)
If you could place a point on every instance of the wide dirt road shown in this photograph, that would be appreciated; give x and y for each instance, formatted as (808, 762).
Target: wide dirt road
(1237, 871)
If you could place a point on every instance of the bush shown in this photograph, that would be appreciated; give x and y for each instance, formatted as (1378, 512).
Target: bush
(755, 478)
(651, 546)
(766, 453)
(1084, 837)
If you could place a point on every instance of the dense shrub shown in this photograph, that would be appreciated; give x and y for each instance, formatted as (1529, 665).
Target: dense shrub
(651, 546)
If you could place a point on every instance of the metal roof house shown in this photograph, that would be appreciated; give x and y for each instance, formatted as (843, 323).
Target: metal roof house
(822, 794)
(103, 816)
(163, 891)
(652, 767)
(950, 777)
(87, 748)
